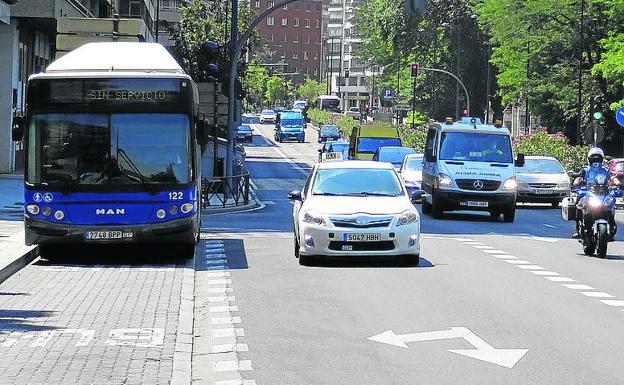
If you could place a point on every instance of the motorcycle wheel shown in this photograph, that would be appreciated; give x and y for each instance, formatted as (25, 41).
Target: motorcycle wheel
(588, 245)
(603, 240)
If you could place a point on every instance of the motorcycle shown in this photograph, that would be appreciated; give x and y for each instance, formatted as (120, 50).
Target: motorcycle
(594, 208)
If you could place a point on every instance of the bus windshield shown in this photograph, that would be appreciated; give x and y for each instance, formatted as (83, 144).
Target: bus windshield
(330, 104)
(88, 149)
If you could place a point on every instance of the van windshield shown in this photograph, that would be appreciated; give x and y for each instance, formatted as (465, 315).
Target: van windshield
(370, 145)
(475, 147)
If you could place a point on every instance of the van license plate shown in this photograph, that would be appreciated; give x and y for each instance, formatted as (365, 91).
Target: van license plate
(474, 204)
(360, 237)
(107, 235)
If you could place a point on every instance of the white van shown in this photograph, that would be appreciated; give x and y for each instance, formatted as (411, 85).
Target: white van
(469, 166)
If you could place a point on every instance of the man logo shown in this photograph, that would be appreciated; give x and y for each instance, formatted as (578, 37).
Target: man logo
(110, 211)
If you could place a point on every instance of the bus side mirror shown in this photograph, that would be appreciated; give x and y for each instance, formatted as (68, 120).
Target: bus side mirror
(17, 131)
(519, 160)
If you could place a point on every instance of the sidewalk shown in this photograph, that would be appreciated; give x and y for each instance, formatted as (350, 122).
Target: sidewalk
(14, 254)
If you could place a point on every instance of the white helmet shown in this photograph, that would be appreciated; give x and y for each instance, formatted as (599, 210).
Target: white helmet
(595, 155)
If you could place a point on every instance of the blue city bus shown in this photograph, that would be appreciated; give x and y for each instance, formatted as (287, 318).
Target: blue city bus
(113, 155)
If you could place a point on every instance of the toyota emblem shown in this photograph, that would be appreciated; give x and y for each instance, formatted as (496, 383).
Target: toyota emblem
(477, 184)
(361, 220)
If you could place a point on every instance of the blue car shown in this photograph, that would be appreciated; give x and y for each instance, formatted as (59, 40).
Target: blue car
(244, 133)
(328, 132)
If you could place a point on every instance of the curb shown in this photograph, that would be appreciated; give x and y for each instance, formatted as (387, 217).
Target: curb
(251, 206)
(16, 265)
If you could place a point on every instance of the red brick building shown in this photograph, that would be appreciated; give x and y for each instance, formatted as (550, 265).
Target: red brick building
(292, 35)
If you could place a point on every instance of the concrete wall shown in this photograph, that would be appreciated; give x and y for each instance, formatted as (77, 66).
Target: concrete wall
(8, 82)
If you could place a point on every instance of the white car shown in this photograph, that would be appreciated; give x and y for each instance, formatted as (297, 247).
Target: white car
(353, 112)
(267, 116)
(355, 208)
(411, 171)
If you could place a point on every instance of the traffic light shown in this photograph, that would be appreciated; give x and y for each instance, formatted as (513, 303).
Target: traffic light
(597, 106)
(414, 69)
(346, 73)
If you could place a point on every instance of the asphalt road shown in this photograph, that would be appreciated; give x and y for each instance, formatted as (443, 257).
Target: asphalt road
(515, 286)
(489, 303)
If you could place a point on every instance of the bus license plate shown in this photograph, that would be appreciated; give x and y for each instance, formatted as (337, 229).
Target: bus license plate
(474, 204)
(107, 235)
(361, 237)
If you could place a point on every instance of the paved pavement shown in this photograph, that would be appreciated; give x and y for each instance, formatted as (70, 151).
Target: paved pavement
(489, 303)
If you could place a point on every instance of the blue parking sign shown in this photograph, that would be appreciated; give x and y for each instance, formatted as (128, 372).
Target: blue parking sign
(619, 116)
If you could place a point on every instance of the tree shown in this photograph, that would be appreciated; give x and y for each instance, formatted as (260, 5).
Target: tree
(276, 89)
(254, 83)
(309, 90)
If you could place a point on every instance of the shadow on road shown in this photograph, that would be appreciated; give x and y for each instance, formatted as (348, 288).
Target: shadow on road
(23, 320)
(366, 262)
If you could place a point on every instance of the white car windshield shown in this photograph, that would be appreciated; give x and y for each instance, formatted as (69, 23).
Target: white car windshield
(541, 166)
(356, 182)
(413, 164)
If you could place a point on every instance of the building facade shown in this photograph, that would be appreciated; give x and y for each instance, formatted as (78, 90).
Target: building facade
(343, 72)
(28, 43)
(291, 37)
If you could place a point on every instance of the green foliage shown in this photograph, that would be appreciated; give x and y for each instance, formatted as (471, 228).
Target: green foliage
(555, 145)
(276, 89)
(414, 138)
(319, 117)
(309, 90)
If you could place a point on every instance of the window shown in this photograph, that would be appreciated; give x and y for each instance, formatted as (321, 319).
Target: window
(271, 20)
(135, 8)
(307, 23)
(284, 22)
(257, 3)
(315, 71)
(285, 7)
(296, 22)
(317, 24)
(305, 55)
(271, 37)
(285, 39)
(307, 40)
(296, 55)
(307, 7)
(296, 40)
(270, 4)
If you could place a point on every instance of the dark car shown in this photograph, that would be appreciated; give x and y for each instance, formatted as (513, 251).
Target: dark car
(244, 133)
(393, 154)
(328, 132)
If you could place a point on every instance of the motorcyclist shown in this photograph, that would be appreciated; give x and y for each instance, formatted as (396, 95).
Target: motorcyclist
(595, 160)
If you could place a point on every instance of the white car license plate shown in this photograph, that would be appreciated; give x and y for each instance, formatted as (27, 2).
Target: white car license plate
(474, 204)
(107, 235)
(544, 192)
(350, 237)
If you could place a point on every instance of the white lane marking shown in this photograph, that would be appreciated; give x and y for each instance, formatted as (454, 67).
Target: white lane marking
(472, 243)
(545, 272)
(518, 262)
(531, 267)
(504, 256)
(231, 366)
(239, 381)
(597, 294)
(560, 279)
(577, 286)
(495, 251)
(228, 298)
(223, 281)
(549, 226)
(215, 261)
(227, 348)
(217, 274)
(220, 290)
(613, 302)
(484, 247)
(144, 337)
(543, 239)
(228, 332)
(225, 320)
(269, 203)
(222, 309)
(464, 240)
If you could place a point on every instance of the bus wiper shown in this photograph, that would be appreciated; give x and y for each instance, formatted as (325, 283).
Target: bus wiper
(139, 176)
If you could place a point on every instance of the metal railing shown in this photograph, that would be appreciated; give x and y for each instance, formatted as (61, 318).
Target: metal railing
(217, 192)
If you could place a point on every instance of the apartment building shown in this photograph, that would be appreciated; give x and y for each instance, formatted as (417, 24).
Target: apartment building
(292, 38)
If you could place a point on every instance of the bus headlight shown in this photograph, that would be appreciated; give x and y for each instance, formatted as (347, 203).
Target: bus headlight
(160, 213)
(173, 210)
(33, 209)
(186, 208)
(510, 184)
(59, 215)
(46, 211)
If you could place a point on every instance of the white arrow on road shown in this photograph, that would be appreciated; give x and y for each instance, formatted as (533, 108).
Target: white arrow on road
(483, 351)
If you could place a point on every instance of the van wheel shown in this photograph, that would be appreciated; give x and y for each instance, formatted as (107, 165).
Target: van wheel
(509, 215)
(436, 206)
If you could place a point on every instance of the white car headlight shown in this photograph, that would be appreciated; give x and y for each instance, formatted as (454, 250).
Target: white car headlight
(564, 184)
(314, 218)
(510, 184)
(445, 180)
(407, 217)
